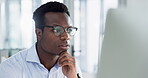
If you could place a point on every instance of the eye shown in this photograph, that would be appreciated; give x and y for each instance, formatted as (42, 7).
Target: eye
(57, 29)
(71, 31)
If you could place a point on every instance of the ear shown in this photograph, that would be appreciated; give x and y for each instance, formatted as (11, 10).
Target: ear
(38, 34)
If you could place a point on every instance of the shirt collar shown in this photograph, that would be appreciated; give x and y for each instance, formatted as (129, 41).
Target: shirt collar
(32, 55)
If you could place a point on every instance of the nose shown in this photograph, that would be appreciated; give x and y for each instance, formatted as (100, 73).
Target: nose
(65, 36)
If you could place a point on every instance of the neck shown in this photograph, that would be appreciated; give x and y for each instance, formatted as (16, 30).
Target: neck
(47, 59)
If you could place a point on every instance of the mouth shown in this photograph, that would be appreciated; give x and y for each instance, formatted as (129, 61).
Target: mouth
(64, 46)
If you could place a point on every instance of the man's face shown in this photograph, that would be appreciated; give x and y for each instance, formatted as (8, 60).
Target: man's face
(50, 42)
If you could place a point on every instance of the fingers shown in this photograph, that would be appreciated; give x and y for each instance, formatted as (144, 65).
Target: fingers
(66, 59)
(67, 63)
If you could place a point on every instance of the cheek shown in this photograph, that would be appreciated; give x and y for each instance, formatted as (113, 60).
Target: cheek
(50, 41)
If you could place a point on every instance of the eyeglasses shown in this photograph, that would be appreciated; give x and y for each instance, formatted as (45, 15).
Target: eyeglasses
(58, 30)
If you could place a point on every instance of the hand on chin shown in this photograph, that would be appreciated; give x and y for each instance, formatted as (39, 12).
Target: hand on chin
(67, 62)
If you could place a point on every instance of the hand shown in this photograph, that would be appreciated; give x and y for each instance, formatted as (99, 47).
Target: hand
(68, 65)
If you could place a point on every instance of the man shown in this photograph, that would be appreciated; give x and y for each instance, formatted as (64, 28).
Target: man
(48, 58)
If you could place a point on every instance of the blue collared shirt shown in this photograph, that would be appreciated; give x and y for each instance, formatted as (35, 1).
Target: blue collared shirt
(26, 64)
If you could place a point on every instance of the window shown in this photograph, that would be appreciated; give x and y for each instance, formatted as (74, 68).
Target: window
(86, 46)
(89, 17)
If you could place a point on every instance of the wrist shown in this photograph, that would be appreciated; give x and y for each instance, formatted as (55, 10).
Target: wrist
(72, 76)
(76, 76)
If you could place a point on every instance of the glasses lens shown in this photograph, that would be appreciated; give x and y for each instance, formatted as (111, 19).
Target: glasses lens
(58, 30)
(71, 30)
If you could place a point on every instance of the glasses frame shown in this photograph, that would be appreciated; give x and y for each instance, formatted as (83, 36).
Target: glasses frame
(65, 29)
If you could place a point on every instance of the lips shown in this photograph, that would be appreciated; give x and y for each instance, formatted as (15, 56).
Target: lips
(64, 46)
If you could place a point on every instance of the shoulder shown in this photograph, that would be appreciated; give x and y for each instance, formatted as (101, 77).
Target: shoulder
(13, 65)
(18, 58)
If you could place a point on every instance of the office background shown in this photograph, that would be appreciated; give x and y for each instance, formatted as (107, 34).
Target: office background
(90, 16)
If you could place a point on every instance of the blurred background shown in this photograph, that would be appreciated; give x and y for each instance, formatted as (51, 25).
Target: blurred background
(91, 44)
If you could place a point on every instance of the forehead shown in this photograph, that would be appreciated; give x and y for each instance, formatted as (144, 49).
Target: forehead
(57, 18)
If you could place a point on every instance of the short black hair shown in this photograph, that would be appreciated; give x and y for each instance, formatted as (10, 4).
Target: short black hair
(38, 15)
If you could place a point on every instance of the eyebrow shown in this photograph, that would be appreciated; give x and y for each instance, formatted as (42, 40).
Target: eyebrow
(61, 25)
(56, 24)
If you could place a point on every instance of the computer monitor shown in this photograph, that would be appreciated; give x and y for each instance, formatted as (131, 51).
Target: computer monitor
(125, 47)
